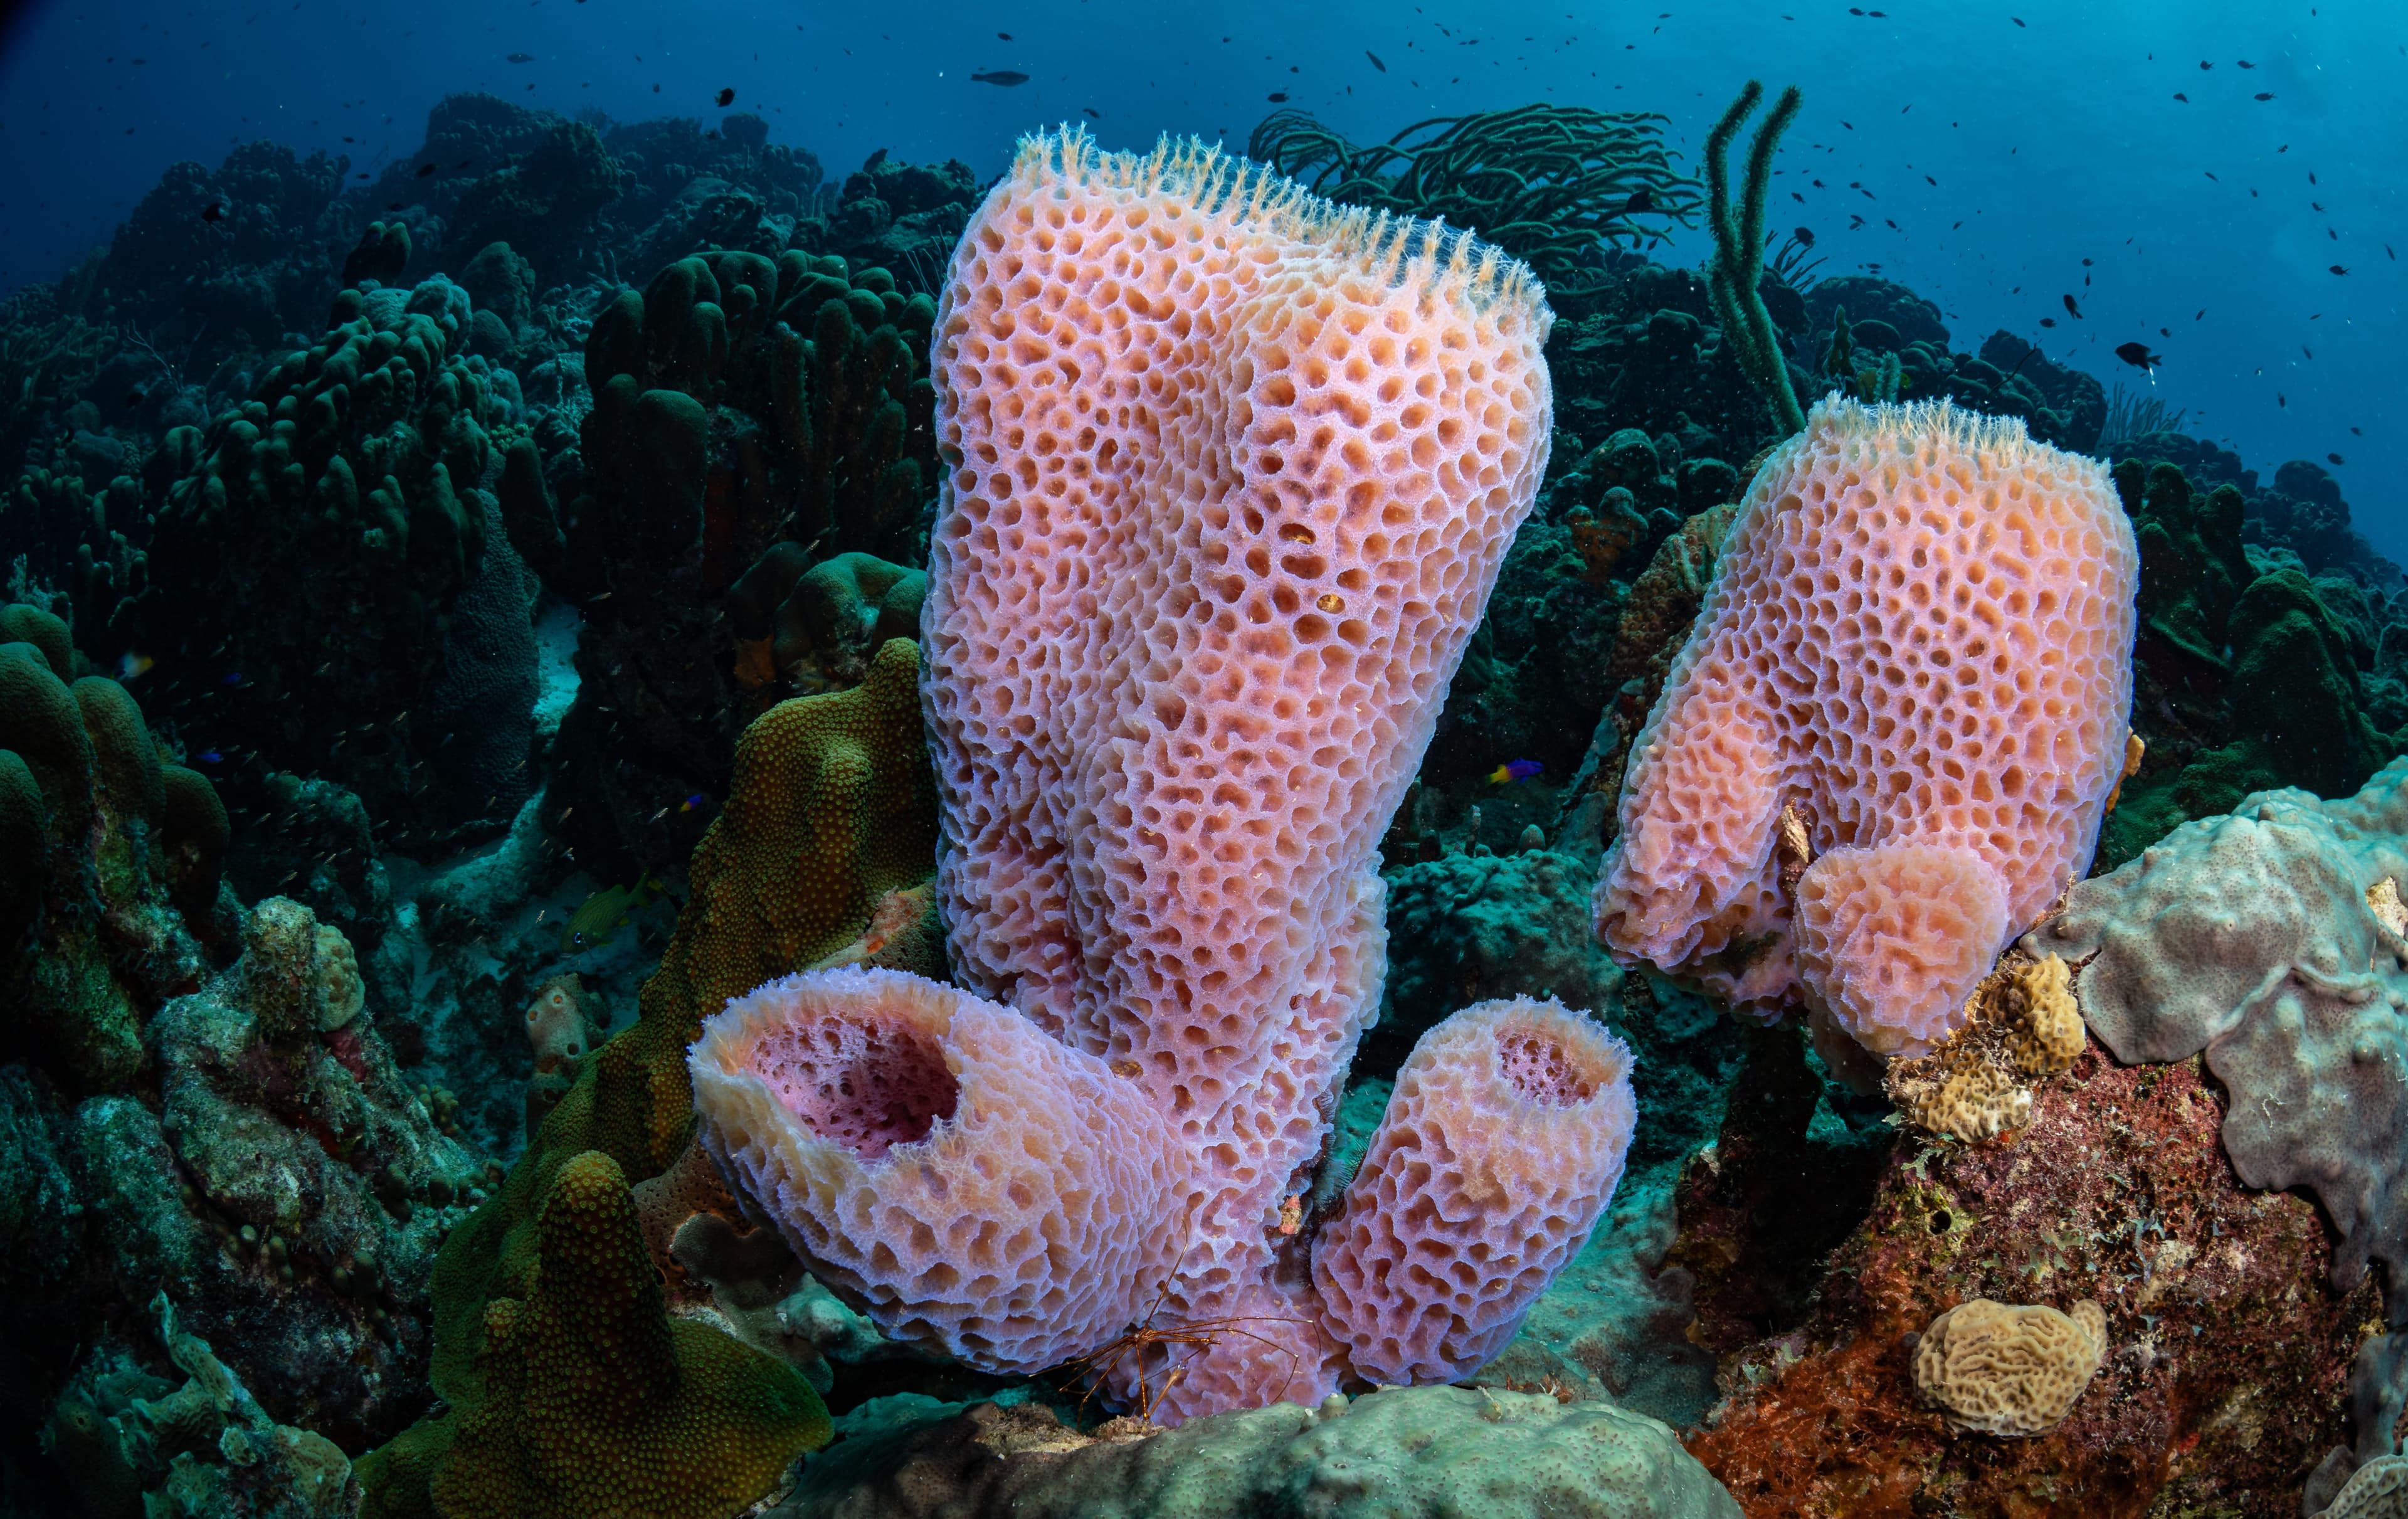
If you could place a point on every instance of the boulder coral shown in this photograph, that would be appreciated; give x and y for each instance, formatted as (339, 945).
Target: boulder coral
(1917, 646)
(832, 809)
(1184, 654)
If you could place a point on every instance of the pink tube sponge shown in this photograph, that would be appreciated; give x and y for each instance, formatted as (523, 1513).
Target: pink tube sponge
(965, 1178)
(1501, 1145)
(1919, 633)
(1895, 937)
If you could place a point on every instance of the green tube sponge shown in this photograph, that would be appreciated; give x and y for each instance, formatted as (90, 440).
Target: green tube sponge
(672, 445)
(39, 718)
(21, 623)
(195, 832)
(527, 513)
(125, 758)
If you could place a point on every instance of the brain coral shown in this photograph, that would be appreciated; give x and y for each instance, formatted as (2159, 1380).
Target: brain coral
(2010, 1370)
(1919, 641)
(1233, 473)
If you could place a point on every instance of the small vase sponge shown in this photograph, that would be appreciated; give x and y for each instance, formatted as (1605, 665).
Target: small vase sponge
(1501, 1145)
(963, 1176)
(1919, 642)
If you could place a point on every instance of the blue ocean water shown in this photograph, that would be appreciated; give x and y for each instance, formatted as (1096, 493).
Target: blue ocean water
(2025, 151)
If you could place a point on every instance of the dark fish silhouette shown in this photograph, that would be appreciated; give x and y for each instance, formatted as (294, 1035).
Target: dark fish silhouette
(725, 97)
(520, 58)
(1805, 237)
(2073, 308)
(1006, 76)
(1005, 36)
(1278, 97)
(2243, 63)
(2338, 268)
(2263, 94)
(2357, 432)
(2018, 20)
(1642, 199)
(2204, 65)
(1092, 111)
(2337, 458)
(2282, 401)
(1375, 60)
(426, 169)
(2184, 98)
(213, 212)
(2139, 356)
(2048, 321)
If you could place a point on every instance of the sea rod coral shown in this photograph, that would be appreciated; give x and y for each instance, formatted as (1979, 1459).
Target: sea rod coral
(1915, 661)
(1233, 473)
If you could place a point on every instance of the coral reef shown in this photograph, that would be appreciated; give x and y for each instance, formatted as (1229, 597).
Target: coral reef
(2228, 1352)
(2010, 1370)
(1941, 800)
(1410, 1453)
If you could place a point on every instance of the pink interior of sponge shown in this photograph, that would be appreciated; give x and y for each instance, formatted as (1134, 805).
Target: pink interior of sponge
(1542, 1069)
(866, 1086)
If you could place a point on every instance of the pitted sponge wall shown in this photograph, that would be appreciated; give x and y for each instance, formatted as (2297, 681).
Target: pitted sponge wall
(1920, 638)
(1234, 471)
(1502, 1143)
(965, 1178)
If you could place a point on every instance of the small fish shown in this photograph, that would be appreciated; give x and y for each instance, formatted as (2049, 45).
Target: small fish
(2139, 356)
(1005, 77)
(231, 677)
(2282, 401)
(131, 663)
(1278, 97)
(1805, 235)
(2263, 94)
(2184, 98)
(514, 58)
(1642, 199)
(210, 757)
(2306, 349)
(2204, 65)
(2357, 432)
(1004, 35)
(2073, 308)
(1375, 60)
(2337, 458)
(2048, 321)
(1092, 111)
(426, 169)
(213, 211)
(1512, 771)
(2338, 268)
(2018, 20)
(602, 915)
(725, 97)
(690, 803)
(2243, 63)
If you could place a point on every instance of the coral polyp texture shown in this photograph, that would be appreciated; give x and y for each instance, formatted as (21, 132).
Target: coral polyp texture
(1234, 472)
(1918, 643)
(1532, 1107)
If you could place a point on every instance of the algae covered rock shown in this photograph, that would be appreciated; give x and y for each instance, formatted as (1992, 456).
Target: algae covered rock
(1418, 1453)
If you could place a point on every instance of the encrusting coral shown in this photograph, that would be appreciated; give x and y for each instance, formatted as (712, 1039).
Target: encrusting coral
(2020, 1026)
(1918, 643)
(1180, 671)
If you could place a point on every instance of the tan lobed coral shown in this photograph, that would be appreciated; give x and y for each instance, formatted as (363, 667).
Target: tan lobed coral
(1919, 640)
(1234, 470)
(2006, 1370)
(2020, 1026)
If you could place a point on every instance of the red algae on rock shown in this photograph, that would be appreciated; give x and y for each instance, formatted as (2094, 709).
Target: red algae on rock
(2228, 1352)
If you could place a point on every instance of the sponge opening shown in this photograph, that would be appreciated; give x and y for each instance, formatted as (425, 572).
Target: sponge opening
(867, 1086)
(1541, 1070)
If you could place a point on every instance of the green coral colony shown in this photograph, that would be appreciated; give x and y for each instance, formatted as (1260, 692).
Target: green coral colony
(688, 866)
